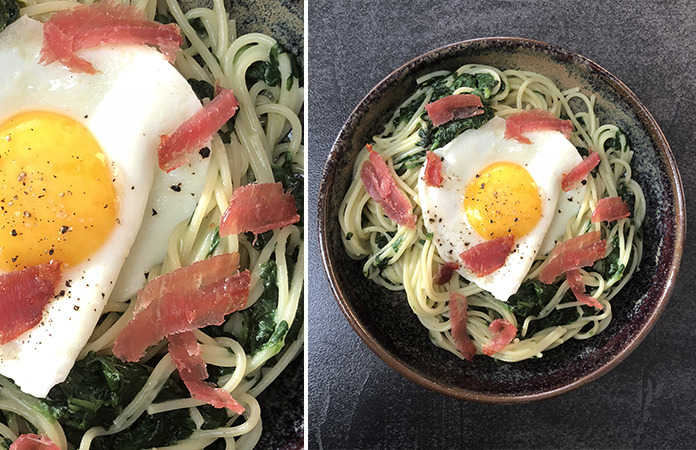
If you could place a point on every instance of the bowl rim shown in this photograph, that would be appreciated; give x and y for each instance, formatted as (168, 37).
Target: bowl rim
(652, 129)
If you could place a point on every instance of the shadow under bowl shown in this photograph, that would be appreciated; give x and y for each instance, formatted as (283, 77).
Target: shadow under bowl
(383, 318)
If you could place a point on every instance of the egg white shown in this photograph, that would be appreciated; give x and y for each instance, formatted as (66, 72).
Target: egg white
(548, 157)
(136, 97)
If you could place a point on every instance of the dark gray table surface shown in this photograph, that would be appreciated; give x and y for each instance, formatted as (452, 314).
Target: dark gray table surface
(355, 400)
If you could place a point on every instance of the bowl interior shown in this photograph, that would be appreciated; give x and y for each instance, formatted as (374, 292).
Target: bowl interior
(383, 318)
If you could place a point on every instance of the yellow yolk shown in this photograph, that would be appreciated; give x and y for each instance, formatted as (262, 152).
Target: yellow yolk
(503, 199)
(58, 200)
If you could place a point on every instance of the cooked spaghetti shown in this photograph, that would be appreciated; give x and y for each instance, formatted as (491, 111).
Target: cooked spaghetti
(399, 258)
(264, 145)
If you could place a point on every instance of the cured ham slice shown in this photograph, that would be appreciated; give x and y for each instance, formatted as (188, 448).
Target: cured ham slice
(258, 208)
(433, 170)
(105, 22)
(503, 333)
(184, 351)
(33, 442)
(575, 253)
(195, 133)
(534, 120)
(580, 172)
(23, 296)
(574, 278)
(187, 279)
(610, 209)
(457, 307)
(380, 185)
(484, 259)
(176, 312)
(454, 107)
(444, 273)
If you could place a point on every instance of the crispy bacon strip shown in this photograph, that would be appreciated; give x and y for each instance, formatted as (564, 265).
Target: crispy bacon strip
(32, 441)
(574, 278)
(575, 253)
(258, 208)
(534, 120)
(174, 149)
(23, 296)
(187, 279)
(484, 259)
(610, 209)
(104, 22)
(444, 273)
(457, 307)
(503, 333)
(179, 311)
(380, 185)
(580, 172)
(454, 107)
(185, 350)
(433, 170)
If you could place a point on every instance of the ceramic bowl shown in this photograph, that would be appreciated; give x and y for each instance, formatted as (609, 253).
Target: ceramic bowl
(383, 318)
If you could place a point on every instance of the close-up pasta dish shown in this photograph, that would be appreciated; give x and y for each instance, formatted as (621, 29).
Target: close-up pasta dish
(502, 206)
(152, 244)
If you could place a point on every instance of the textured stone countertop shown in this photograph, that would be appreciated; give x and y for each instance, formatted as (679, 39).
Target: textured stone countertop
(355, 400)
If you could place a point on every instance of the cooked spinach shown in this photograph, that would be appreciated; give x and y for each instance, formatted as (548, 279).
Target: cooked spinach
(198, 27)
(435, 137)
(5, 443)
(532, 297)
(269, 71)
(9, 12)
(613, 269)
(202, 88)
(261, 330)
(555, 318)
(405, 113)
(97, 390)
(627, 196)
(214, 243)
(292, 181)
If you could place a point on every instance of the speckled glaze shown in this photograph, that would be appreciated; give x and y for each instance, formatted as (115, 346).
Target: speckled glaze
(383, 318)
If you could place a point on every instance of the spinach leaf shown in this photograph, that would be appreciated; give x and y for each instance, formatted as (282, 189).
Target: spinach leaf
(555, 318)
(293, 183)
(435, 137)
(5, 443)
(627, 196)
(530, 299)
(198, 27)
(406, 112)
(9, 12)
(485, 82)
(612, 268)
(202, 88)
(95, 392)
(269, 71)
(263, 71)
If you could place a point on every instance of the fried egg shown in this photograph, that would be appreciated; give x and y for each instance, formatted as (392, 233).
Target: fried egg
(494, 187)
(77, 160)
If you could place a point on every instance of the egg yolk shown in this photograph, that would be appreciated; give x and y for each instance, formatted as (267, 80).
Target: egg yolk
(503, 199)
(58, 200)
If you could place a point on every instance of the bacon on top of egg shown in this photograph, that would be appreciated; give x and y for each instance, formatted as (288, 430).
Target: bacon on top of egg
(494, 187)
(78, 153)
